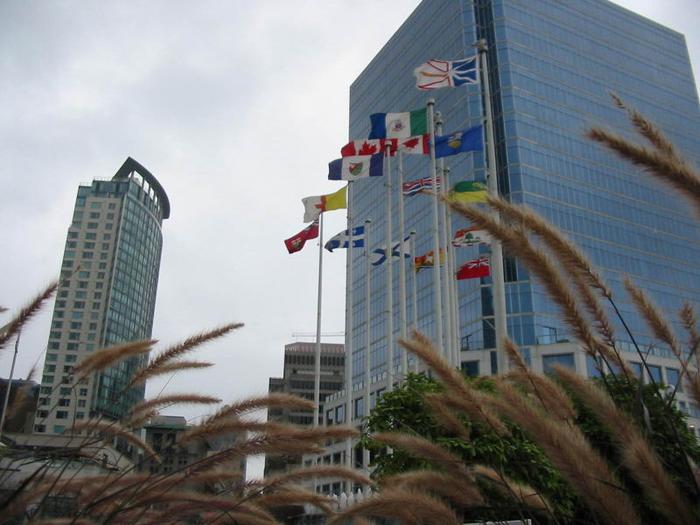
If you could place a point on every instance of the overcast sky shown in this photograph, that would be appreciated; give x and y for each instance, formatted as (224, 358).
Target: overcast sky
(236, 107)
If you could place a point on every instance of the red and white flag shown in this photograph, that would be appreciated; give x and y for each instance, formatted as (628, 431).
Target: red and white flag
(474, 269)
(418, 145)
(296, 243)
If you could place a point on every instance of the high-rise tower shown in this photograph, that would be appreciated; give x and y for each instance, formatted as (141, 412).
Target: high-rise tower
(107, 295)
(552, 65)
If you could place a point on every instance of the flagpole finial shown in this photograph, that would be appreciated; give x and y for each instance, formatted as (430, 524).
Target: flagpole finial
(431, 102)
(367, 221)
(438, 118)
(481, 45)
(412, 232)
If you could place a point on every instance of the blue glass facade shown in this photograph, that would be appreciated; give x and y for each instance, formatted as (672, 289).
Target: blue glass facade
(553, 65)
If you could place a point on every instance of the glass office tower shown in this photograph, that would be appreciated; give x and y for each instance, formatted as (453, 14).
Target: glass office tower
(107, 295)
(552, 67)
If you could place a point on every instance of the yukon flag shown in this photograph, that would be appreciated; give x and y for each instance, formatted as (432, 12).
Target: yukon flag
(314, 206)
(436, 74)
(399, 125)
(474, 269)
(357, 167)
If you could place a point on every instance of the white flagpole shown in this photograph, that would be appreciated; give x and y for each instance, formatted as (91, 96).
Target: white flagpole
(414, 291)
(437, 296)
(348, 331)
(389, 279)
(368, 334)
(317, 353)
(499, 295)
(454, 306)
(402, 269)
(449, 350)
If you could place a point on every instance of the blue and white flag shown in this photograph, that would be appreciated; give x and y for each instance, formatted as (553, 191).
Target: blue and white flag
(342, 240)
(471, 139)
(436, 74)
(357, 167)
(378, 255)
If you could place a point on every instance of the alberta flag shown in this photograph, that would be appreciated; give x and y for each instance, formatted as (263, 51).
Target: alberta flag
(436, 74)
(399, 125)
(342, 240)
(466, 140)
(357, 167)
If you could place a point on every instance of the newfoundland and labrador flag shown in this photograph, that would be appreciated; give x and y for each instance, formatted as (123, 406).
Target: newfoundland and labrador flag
(418, 145)
(356, 167)
(474, 269)
(459, 142)
(399, 125)
(314, 206)
(435, 74)
(296, 243)
(342, 239)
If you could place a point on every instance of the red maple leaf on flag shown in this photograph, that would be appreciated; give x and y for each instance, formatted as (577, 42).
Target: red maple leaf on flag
(367, 149)
(410, 143)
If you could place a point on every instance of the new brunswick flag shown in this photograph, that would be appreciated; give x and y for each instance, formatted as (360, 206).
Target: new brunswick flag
(296, 243)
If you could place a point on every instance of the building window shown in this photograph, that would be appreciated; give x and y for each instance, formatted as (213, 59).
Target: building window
(470, 368)
(672, 378)
(340, 414)
(61, 414)
(81, 403)
(59, 429)
(655, 373)
(64, 402)
(40, 428)
(83, 391)
(42, 413)
(51, 357)
(549, 361)
(359, 407)
(65, 391)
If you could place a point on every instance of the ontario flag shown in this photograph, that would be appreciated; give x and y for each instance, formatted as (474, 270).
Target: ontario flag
(296, 243)
(419, 186)
(418, 145)
(474, 269)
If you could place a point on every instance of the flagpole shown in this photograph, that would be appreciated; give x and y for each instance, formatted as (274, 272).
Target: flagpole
(454, 306)
(389, 278)
(499, 296)
(449, 350)
(368, 335)
(317, 354)
(414, 291)
(349, 329)
(437, 299)
(402, 268)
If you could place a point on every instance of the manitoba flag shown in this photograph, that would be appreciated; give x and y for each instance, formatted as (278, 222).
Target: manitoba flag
(296, 243)
(473, 269)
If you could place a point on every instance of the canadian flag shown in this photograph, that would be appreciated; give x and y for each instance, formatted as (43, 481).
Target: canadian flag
(418, 145)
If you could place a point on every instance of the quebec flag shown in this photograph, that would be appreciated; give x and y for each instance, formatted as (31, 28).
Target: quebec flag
(436, 74)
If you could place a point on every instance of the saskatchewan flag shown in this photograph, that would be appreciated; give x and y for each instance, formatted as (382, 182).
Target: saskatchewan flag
(468, 191)
(399, 125)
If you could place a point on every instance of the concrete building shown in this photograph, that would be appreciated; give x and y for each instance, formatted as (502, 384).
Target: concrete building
(107, 294)
(552, 65)
(298, 379)
(24, 395)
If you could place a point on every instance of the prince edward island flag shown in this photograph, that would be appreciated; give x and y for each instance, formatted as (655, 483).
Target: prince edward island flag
(358, 167)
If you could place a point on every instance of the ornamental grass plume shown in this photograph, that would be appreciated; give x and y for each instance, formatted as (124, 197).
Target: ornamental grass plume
(15, 325)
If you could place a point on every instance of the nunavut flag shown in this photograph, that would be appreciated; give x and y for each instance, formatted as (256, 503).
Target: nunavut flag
(314, 206)
(296, 243)
(357, 167)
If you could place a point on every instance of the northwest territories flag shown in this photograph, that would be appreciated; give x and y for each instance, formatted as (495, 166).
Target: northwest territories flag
(417, 186)
(356, 167)
(466, 140)
(399, 125)
(342, 240)
(435, 74)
